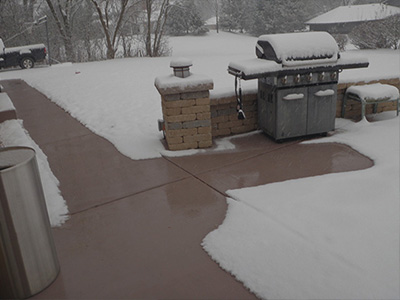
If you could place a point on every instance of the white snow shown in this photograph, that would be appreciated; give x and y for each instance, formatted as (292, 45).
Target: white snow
(293, 97)
(255, 66)
(383, 64)
(117, 100)
(375, 91)
(12, 133)
(290, 46)
(5, 103)
(180, 62)
(182, 84)
(326, 237)
(356, 13)
(24, 49)
(325, 93)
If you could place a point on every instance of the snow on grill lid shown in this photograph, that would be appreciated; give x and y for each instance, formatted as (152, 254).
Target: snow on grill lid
(301, 48)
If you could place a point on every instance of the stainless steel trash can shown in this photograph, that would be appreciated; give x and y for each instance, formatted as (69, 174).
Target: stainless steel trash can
(28, 259)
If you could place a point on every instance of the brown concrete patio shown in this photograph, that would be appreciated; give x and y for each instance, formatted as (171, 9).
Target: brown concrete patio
(136, 226)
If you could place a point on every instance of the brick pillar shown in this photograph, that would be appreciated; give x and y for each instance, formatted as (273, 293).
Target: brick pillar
(186, 110)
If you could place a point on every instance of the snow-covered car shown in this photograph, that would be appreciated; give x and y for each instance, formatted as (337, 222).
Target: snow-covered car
(24, 56)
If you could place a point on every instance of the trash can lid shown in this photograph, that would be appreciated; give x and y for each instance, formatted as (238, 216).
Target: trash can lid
(13, 156)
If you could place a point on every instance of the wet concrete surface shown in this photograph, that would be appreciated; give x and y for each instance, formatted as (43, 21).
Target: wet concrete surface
(136, 226)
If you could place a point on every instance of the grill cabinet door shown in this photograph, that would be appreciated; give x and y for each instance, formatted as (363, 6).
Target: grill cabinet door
(321, 108)
(291, 112)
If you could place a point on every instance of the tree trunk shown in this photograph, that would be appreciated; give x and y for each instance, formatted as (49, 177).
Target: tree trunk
(64, 29)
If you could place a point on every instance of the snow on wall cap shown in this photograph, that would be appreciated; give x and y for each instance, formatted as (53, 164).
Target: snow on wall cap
(180, 62)
(376, 91)
(288, 46)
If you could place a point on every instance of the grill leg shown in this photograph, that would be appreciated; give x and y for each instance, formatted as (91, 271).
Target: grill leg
(375, 108)
(363, 109)
(344, 105)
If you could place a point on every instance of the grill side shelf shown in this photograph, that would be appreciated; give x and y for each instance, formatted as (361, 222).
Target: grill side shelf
(285, 71)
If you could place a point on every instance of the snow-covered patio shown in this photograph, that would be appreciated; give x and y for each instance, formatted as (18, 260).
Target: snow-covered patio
(326, 236)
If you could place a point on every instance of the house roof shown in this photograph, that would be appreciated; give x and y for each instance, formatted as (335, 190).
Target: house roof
(356, 13)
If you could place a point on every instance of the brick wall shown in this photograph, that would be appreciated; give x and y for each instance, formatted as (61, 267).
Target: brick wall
(224, 120)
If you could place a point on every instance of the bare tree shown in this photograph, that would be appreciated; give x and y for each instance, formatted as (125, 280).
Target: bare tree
(17, 22)
(377, 34)
(156, 18)
(111, 15)
(63, 12)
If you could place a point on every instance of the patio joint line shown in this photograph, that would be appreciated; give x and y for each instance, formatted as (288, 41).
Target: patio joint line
(125, 196)
(229, 164)
(196, 177)
(249, 157)
(63, 140)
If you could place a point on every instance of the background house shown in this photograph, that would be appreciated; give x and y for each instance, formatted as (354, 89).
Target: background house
(344, 18)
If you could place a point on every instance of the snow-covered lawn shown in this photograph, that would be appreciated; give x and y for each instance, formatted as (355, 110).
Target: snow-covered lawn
(334, 236)
(117, 99)
(327, 237)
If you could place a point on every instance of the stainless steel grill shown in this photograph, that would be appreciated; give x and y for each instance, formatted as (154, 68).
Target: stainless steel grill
(297, 82)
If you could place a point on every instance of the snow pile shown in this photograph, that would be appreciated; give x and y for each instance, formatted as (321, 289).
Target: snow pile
(326, 237)
(290, 47)
(255, 66)
(13, 134)
(5, 103)
(375, 91)
(182, 84)
(383, 64)
(180, 62)
(24, 49)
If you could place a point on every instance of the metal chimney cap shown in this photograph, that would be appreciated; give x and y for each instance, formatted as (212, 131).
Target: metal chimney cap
(181, 62)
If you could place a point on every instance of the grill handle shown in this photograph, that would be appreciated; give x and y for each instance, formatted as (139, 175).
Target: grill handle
(292, 97)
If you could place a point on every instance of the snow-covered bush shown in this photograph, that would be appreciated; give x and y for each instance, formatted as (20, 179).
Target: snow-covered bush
(184, 18)
(378, 34)
(341, 40)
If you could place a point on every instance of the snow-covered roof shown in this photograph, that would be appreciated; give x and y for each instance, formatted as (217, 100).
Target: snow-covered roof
(356, 13)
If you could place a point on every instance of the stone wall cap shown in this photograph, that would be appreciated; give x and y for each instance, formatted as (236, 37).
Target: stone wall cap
(171, 84)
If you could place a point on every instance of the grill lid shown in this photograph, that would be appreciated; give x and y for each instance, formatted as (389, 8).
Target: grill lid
(296, 49)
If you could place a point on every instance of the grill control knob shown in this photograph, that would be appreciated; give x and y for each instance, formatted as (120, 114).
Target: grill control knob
(321, 76)
(309, 77)
(284, 80)
(334, 76)
(297, 78)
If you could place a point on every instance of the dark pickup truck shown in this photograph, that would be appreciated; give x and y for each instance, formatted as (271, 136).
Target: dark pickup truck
(25, 56)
